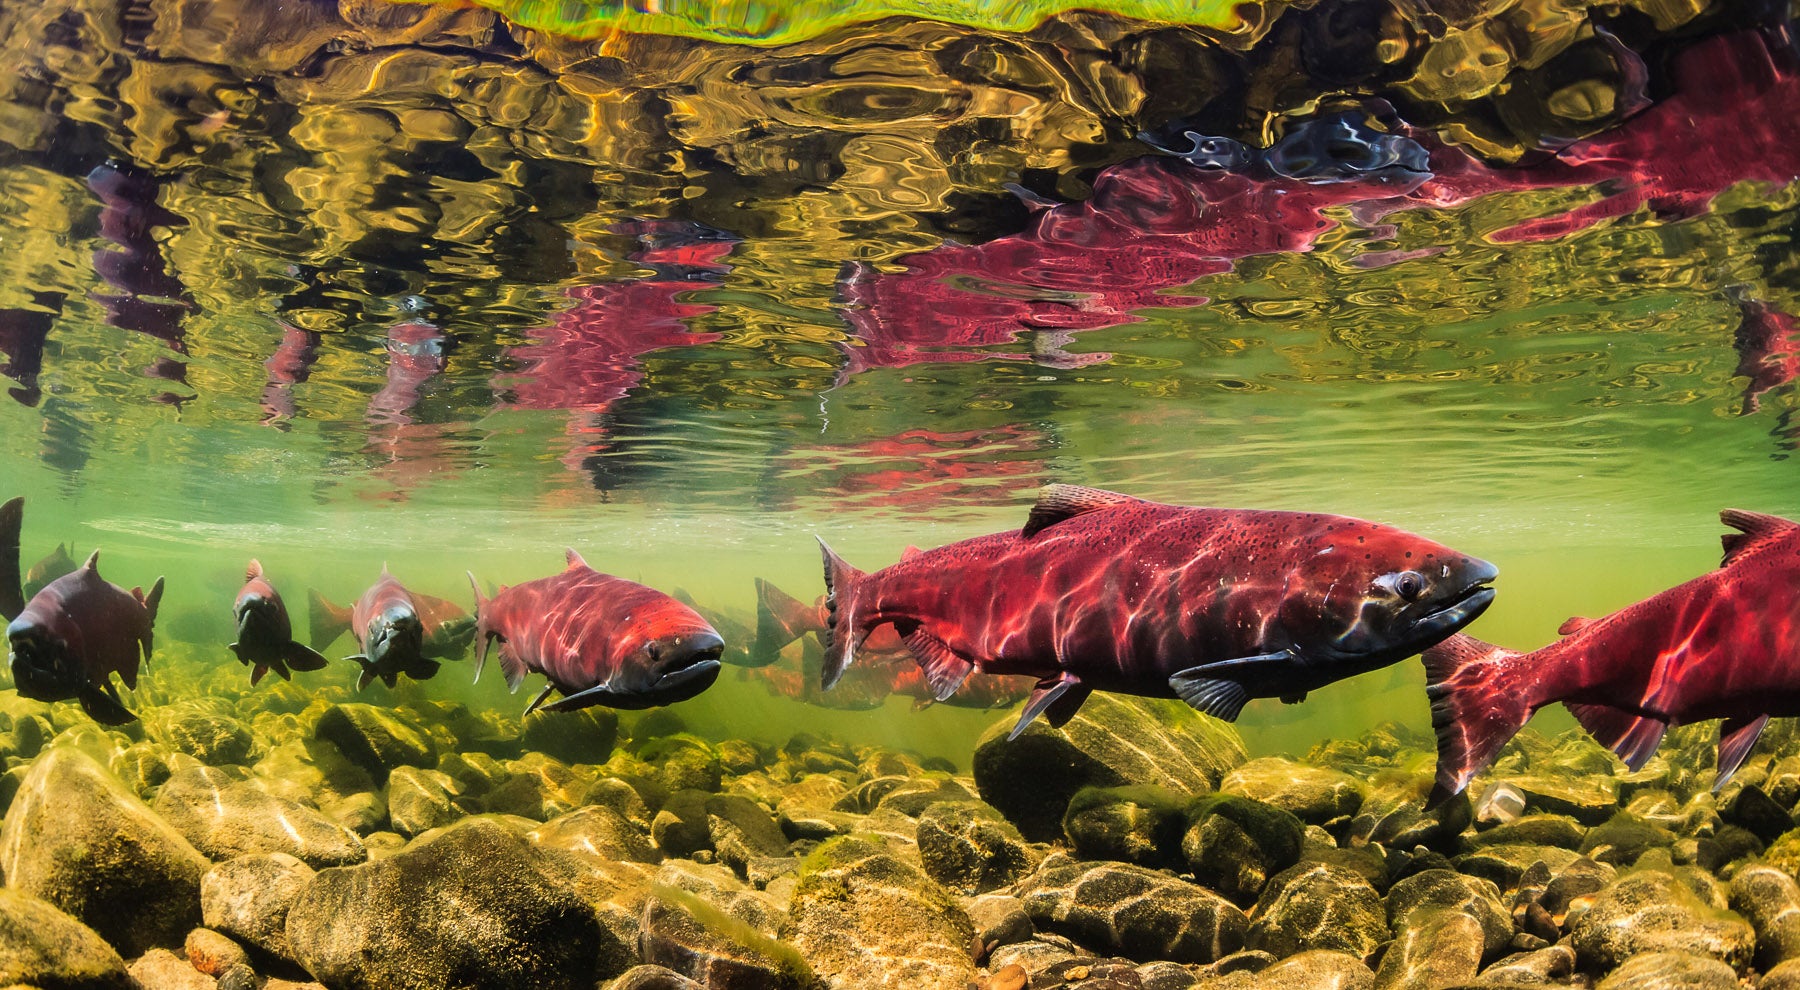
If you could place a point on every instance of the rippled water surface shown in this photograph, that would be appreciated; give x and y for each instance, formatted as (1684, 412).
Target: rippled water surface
(420, 286)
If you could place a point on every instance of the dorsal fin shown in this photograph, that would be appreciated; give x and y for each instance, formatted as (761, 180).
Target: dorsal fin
(93, 562)
(384, 570)
(1572, 625)
(1754, 528)
(254, 571)
(574, 558)
(1059, 502)
(910, 552)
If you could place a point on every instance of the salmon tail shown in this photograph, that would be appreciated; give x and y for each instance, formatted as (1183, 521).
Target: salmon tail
(151, 601)
(12, 593)
(1476, 708)
(327, 621)
(780, 619)
(481, 628)
(842, 630)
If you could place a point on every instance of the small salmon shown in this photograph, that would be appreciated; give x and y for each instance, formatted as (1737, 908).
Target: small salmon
(265, 634)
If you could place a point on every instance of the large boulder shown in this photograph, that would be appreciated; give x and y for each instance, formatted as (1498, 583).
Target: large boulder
(43, 947)
(1233, 844)
(211, 738)
(1318, 906)
(969, 848)
(469, 906)
(420, 800)
(1770, 899)
(1112, 741)
(1138, 824)
(1136, 912)
(863, 918)
(597, 830)
(1653, 911)
(78, 838)
(1315, 795)
(225, 816)
(704, 923)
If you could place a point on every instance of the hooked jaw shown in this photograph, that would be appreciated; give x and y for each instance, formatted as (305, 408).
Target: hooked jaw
(667, 670)
(395, 633)
(1386, 633)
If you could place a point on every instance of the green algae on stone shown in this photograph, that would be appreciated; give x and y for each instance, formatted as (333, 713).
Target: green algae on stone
(967, 846)
(862, 917)
(685, 932)
(1137, 823)
(41, 946)
(759, 22)
(1132, 911)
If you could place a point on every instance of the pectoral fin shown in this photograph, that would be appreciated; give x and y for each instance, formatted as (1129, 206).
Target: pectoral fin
(545, 693)
(299, 656)
(1055, 698)
(1737, 736)
(1215, 696)
(104, 707)
(944, 670)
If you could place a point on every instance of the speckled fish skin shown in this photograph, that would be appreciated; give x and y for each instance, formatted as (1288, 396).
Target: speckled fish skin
(265, 637)
(75, 634)
(1722, 645)
(1103, 591)
(599, 639)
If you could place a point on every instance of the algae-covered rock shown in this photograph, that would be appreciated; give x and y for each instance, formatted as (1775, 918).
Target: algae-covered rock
(861, 917)
(1139, 824)
(376, 739)
(1112, 741)
(1653, 911)
(1435, 947)
(1671, 971)
(739, 830)
(1316, 969)
(248, 899)
(968, 847)
(1316, 906)
(77, 838)
(1393, 813)
(420, 800)
(681, 827)
(653, 978)
(211, 738)
(1134, 911)
(43, 947)
(1547, 966)
(599, 831)
(1770, 899)
(225, 816)
(692, 935)
(1315, 795)
(1623, 838)
(1446, 890)
(1533, 830)
(1589, 799)
(1233, 845)
(211, 952)
(469, 906)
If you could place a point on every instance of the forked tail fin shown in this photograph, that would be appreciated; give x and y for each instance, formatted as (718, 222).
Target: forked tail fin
(481, 629)
(1477, 706)
(843, 631)
(326, 621)
(780, 619)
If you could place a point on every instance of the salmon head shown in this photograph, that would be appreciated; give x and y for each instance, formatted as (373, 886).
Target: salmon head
(668, 653)
(42, 666)
(1371, 594)
(395, 637)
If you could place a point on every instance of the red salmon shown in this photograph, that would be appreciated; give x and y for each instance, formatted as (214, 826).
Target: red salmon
(265, 634)
(389, 631)
(75, 634)
(1719, 646)
(1103, 591)
(599, 639)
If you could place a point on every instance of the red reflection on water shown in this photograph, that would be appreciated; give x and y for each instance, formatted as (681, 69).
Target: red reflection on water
(931, 467)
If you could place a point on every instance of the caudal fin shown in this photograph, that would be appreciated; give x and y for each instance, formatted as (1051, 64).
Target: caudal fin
(780, 619)
(843, 633)
(12, 594)
(1477, 706)
(326, 621)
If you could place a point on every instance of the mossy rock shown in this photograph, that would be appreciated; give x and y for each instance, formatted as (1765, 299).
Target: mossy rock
(377, 739)
(862, 917)
(1316, 906)
(1132, 911)
(1139, 823)
(968, 847)
(1233, 845)
(41, 946)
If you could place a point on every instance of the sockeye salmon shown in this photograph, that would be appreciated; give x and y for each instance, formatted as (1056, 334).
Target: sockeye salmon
(51, 566)
(74, 635)
(1720, 646)
(781, 619)
(388, 628)
(599, 639)
(1103, 591)
(445, 628)
(265, 634)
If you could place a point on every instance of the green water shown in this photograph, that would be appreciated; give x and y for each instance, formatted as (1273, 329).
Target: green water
(1567, 408)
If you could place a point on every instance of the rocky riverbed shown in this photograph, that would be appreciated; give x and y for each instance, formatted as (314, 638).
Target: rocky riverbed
(289, 838)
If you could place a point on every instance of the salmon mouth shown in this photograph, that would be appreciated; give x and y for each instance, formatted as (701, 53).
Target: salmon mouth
(1476, 596)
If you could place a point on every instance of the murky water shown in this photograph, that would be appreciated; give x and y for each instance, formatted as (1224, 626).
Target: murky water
(438, 293)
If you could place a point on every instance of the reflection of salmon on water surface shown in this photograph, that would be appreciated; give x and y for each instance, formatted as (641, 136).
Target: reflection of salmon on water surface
(1103, 591)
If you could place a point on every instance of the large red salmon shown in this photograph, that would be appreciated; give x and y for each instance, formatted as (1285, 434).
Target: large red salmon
(1103, 591)
(1720, 646)
(599, 639)
(265, 634)
(73, 635)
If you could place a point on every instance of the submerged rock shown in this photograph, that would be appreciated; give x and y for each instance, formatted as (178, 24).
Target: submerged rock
(598, 831)
(469, 906)
(213, 739)
(1131, 910)
(160, 969)
(1670, 971)
(1315, 795)
(1653, 911)
(722, 948)
(1316, 906)
(376, 739)
(1112, 741)
(420, 800)
(43, 947)
(1770, 899)
(212, 952)
(1316, 969)
(653, 978)
(1234, 845)
(77, 838)
(248, 899)
(1139, 824)
(861, 917)
(225, 816)
(969, 848)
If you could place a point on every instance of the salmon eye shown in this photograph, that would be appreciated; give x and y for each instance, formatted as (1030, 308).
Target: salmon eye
(1409, 585)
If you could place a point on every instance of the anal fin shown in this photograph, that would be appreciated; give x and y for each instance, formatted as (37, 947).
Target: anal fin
(1631, 736)
(944, 670)
(1215, 696)
(104, 706)
(1737, 736)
